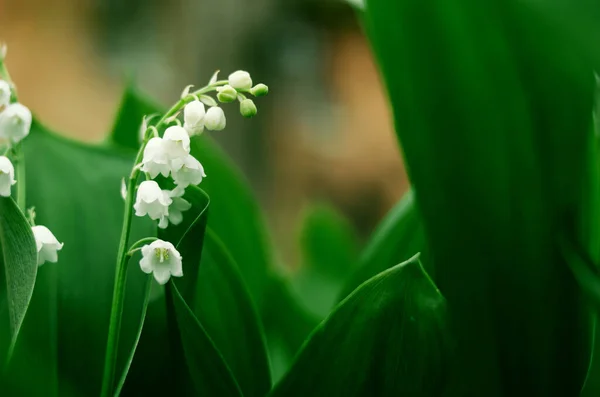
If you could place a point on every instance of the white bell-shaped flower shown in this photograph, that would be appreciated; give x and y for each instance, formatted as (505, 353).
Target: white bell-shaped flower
(240, 80)
(151, 200)
(15, 122)
(156, 160)
(177, 142)
(7, 176)
(162, 260)
(47, 245)
(187, 171)
(4, 93)
(193, 118)
(215, 119)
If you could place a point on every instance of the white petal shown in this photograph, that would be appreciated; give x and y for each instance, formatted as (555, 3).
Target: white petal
(240, 80)
(146, 264)
(163, 223)
(162, 276)
(181, 204)
(15, 122)
(178, 135)
(215, 119)
(175, 217)
(193, 113)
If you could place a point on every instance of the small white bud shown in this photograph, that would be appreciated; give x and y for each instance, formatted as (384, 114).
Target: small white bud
(248, 108)
(15, 122)
(47, 245)
(215, 119)
(226, 94)
(240, 80)
(7, 176)
(4, 93)
(162, 259)
(151, 200)
(193, 118)
(156, 160)
(259, 90)
(177, 142)
(188, 171)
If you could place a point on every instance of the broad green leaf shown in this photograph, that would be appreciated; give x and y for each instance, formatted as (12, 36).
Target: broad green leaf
(75, 190)
(398, 237)
(388, 338)
(17, 274)
(329, 248)
(492, 103)
(208, 371)
(224, 307)
(126, 128)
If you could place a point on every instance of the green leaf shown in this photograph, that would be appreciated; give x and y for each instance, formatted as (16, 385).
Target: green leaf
(75, 188)
(492, 103)
(388, 338)
(399, 236)
(126, 128)
(329, 247)
(18, 273)
(224, 307)
(208, 371)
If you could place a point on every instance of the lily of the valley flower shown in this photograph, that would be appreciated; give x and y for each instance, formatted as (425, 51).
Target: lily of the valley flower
(187, 171)
(4, 93)
(156, 160)
(7, 176)
(215, 119)
(15, 122)
(162, 260)
(240, 80)
(47, 245)
(193, 118)
(151, 200)
(176, 142)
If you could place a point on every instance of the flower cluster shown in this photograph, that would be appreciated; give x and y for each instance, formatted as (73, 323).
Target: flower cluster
(170, 157)
(15, 124)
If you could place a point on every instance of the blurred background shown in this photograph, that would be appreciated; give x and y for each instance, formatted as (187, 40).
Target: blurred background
(323, 136)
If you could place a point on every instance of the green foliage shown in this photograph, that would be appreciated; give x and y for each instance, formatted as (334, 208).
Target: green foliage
(399, 236)
(388, 338)
(17, 273)
(492, 105)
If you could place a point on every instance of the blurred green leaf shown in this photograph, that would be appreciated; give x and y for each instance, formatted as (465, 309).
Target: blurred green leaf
(388, 338)
(17, 274)
(224, 307)
(492, 105)
(126, 128)
(207, 369)
(329, 247)
(75, 187)
(399, 236)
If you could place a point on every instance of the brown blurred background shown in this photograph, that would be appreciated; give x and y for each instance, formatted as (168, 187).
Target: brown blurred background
(323, 134)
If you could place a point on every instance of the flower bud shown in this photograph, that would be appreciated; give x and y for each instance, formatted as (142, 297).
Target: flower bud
(240, 80)
(15, 122)
(248, 108)
(193, 118)
(215, 119)
(47, 245)
(4, 93)
(151, 200)
(226, 94)
(7, 176)
(259, 90)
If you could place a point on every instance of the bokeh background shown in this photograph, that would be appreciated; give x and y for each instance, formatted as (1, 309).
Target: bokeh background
(323, 135)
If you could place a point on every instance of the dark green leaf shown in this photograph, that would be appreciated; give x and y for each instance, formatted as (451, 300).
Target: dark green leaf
(75, 189)
(492, 102)
(133, 108)
(399, 236)
(388, 338)
(17, 275)
(224, 308)
(209, 373)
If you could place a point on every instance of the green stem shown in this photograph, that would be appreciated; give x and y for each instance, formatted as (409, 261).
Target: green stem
(138, 245)
(118, 299)
(20, 177)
